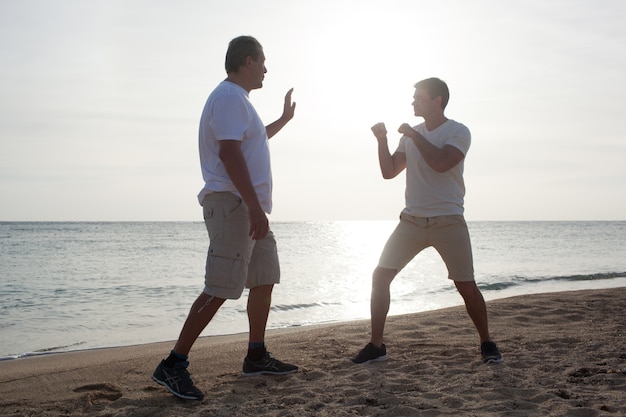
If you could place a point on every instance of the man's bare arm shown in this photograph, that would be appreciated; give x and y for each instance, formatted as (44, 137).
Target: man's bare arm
(390, 165)
(289, 109)
(231, 156)
(439, 159)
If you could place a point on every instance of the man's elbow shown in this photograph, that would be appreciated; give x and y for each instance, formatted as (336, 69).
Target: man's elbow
(389, 174)
(444, 165)
(441, 168)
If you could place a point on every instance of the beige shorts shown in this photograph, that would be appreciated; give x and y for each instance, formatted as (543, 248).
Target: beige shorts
(235, 260)
(447, 234)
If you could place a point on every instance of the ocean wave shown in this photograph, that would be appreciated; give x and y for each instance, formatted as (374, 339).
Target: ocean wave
(518, 280)
(44, 351)
(297, 306)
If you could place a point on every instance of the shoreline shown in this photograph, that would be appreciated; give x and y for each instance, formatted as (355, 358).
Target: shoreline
(564, 355)
(546, 288)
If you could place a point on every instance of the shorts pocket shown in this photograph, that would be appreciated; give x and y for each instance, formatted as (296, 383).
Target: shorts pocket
(224, 269)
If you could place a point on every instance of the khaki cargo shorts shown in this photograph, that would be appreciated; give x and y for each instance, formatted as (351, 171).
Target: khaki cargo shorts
(447, 234)
(235, 260)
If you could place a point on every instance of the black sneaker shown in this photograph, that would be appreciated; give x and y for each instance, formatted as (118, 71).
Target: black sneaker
(370, 353)
(267, 366)
(177, 381)
(490, 353)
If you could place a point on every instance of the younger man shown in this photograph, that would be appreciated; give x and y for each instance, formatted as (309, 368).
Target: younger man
(432, 153)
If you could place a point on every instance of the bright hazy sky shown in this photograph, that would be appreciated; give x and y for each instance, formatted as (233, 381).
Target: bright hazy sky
(100, 103)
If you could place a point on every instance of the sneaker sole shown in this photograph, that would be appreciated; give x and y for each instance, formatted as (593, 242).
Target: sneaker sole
(179, 395)
(269, 373)
(492, 361)
(378, 359)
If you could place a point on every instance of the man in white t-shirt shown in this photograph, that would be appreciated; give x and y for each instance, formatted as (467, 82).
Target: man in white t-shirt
(236, 198)
(432, 153)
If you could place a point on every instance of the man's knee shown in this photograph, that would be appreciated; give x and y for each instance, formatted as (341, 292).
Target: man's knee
(262, 289)
(382, 277)
(468, 290)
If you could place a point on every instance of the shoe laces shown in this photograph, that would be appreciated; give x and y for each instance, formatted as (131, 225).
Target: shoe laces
(183, 376)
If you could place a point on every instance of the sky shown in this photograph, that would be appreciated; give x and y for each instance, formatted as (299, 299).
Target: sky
(100, 103)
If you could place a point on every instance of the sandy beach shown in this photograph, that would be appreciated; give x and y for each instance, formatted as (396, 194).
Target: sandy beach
(564, 355)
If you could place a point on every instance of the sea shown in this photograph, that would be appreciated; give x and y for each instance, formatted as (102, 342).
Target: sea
(67, 286)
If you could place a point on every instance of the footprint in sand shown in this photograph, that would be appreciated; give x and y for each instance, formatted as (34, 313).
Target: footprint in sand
(99, 393)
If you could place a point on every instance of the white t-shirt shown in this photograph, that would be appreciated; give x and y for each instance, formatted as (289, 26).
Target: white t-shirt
(229, 115)
(430, 193)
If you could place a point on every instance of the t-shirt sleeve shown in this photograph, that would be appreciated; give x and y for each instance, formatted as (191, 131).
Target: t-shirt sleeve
(230, 117)
(460, 138)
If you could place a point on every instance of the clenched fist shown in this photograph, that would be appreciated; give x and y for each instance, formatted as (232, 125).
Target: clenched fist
(380, 131)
